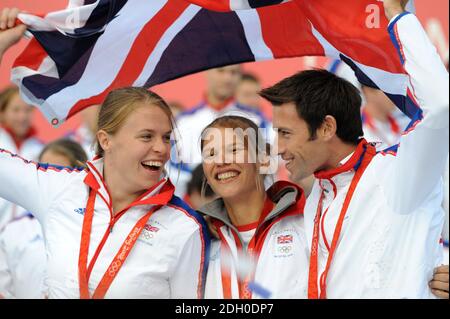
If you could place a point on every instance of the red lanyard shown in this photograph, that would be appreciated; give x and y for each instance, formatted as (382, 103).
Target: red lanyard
(121, 256)
(253, 252)
(313, 291)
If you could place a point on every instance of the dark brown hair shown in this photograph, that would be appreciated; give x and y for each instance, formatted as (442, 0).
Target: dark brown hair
(316, 94)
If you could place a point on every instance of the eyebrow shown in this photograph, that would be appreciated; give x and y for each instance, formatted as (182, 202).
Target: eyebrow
(153, 131)
(281, 129)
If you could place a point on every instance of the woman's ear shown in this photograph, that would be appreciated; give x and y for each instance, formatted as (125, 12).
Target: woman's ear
(104, 140)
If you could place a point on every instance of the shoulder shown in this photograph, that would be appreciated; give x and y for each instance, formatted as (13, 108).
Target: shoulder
(251, 110)
(186, 213)
(36, 141)
(193, 111)
(382, 161)
(75, 171)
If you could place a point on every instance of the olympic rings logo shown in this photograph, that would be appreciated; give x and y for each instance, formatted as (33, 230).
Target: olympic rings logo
(284, 249)
(114, 267)
(147, 235)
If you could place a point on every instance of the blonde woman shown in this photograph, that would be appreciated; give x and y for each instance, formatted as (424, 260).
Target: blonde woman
(115, 229)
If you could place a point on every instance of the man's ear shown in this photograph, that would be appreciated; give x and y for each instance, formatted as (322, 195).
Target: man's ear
(104, 140)
(328, 128)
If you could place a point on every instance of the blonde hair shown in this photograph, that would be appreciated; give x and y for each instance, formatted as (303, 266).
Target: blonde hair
(120, 103)
(6, 96)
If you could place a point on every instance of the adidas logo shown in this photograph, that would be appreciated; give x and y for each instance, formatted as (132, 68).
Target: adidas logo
(80, 211)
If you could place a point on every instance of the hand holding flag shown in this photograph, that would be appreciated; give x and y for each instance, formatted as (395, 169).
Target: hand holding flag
(9, 33)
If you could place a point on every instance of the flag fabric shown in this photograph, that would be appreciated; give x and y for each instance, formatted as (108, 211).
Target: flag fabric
(232, 5)
(79, 54)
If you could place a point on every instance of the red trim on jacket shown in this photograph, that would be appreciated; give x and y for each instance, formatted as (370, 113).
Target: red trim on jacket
(328, 174)
(19, 141)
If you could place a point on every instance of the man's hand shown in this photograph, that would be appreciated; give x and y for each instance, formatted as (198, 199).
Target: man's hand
(9, 33)
(394, 7)
(439, 284)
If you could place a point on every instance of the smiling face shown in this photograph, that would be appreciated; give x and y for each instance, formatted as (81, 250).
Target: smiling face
(229, 168)
(303, 155)
(138, 151)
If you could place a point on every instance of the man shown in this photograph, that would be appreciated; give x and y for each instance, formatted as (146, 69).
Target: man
(247, 91)
(219, 100)
(373, 220)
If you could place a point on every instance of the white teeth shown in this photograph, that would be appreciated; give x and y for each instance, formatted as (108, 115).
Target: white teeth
(226, 175)
(153, 163)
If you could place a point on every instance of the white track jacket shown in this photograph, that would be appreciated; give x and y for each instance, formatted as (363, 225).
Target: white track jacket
(29, 149)
(167, 260)
(389, 243)
(22, 259)
(280, 260)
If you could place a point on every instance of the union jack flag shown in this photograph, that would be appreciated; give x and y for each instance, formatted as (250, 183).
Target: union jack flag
(79, 54)
(285, 239)
(151, 228)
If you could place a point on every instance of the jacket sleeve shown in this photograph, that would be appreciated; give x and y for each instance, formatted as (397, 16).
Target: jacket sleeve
(423, 149)
(28, 184)
(188, 279)
(5, 274)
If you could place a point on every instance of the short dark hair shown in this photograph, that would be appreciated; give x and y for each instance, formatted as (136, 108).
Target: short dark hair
(316, 94)
(249, 77)
(197, 183)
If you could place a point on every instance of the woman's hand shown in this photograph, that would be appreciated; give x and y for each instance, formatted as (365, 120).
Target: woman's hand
(9, 32)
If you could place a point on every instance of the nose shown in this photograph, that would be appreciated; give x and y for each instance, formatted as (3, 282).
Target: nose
(160, 146)
(222, 159)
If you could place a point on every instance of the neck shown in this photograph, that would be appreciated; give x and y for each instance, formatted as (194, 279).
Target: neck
(121, 196)
(341, 151)
(245, 209)
(215, 101)
(377, 112)
(16, 137)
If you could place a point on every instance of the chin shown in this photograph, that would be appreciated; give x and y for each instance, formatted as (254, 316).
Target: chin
(226, 193)
(150, 183)
(234, 192)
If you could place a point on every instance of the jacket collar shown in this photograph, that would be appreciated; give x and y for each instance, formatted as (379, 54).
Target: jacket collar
(218, 107)
(159, 194)
(285, 195)
(351, 164)
(19, 142)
